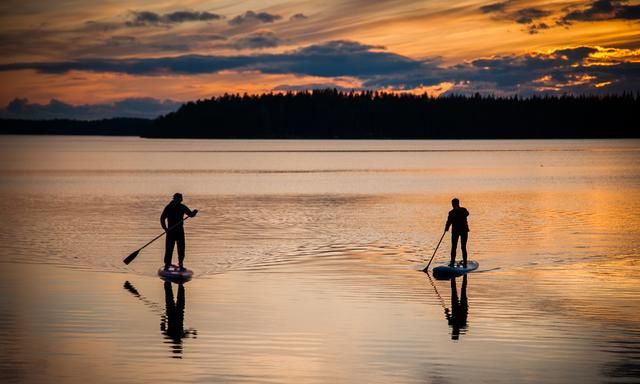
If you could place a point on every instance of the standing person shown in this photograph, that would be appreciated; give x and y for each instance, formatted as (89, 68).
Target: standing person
(172, 217)
(458, 220)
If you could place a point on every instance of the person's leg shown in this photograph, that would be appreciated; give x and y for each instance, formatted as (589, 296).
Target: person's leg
(454, 245)
(181, 247)
(463, 244)
(168, 250)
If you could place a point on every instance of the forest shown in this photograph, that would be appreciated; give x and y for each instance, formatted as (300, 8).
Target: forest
(335, 114)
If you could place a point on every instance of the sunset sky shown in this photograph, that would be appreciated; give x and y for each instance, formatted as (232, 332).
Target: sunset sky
(142, 58)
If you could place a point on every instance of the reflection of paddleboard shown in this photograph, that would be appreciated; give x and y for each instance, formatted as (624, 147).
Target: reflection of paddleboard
(457, 270)
(175, 274)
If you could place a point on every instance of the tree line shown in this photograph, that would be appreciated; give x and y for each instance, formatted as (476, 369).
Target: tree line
(105, 127)
(334, 114)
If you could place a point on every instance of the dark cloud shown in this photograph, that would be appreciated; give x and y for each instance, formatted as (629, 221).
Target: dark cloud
(56, 109)
(335, 58)
(495, 7)
(184, 16)
(629, 12)
(520, 16)
(563, 71)
(528, 15)
(298, 16)
(566, 70)
(598, 10)
(535, 28)
(145, 18)
(347, 58)
(250, 17)
(575, 55)
(257, 40)
(601, 10)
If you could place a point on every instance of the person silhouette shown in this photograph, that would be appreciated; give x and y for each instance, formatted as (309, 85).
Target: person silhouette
(172, 218)
(458, 220)
(457, 316)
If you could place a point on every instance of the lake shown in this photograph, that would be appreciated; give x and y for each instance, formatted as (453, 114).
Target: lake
(307, 259)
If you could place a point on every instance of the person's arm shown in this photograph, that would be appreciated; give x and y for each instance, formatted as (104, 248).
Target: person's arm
(189, 212)
(448, 224)
(163, 219)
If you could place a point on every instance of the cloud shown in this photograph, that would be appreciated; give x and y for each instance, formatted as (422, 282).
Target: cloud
(334, 58)
(598, 10)
(251, 17)
(145, 18)
(297, 17)
(184, 16)
(535, 28)
(495, 7)
(135, 107)
(256, 40)
(601, 10)
(570, 70)
(574, 69)
(528, 15)
(503, 11)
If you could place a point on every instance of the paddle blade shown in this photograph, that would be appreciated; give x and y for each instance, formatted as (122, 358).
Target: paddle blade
(130, 258)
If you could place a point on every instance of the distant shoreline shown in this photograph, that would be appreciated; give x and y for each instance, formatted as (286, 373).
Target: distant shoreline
(335, 115)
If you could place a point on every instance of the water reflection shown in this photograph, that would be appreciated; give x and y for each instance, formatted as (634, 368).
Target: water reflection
(457, 311)
(172, 318)
(457, 315)
(172, 322)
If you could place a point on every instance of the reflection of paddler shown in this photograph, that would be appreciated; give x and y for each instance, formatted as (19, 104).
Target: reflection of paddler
(172, 323)
(457, 316)
(172, 319)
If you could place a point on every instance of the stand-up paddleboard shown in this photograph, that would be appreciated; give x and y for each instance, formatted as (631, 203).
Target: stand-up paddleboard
(446, 271)
(175, 274)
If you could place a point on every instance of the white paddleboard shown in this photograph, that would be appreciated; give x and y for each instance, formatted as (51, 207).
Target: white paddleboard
(175, 274)
(457, 270)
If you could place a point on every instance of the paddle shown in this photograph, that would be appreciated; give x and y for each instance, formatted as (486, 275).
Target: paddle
(132, 256)
(426, 269)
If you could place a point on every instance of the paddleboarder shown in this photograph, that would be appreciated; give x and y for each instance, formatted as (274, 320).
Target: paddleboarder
(458, 220)
(172, 217)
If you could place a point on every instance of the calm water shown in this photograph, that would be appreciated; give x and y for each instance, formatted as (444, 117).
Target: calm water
(307, 259)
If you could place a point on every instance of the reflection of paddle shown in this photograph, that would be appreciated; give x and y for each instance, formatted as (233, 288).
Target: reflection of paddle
(132, 256)
(444, 306)
(151, 304)
(426, 269)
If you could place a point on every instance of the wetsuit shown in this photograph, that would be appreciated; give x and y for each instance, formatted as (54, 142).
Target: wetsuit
(458, 220)
(174, 213)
